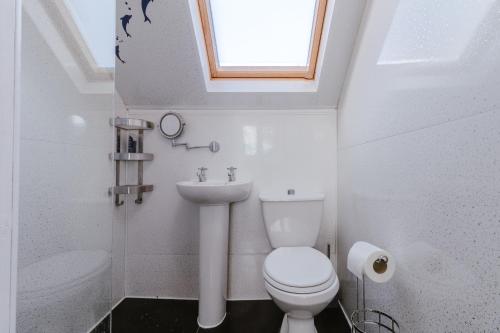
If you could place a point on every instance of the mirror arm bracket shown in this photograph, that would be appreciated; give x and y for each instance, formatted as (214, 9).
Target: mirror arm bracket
(212, 146)
(170, 134)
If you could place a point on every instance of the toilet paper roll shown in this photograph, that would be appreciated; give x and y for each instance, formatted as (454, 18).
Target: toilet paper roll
(365, 259)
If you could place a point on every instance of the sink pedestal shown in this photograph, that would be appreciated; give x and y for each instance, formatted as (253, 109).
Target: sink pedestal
(214, 197)
(214, 234)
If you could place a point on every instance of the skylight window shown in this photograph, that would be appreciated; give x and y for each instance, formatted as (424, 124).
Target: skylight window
(97, 27)
(262, 38)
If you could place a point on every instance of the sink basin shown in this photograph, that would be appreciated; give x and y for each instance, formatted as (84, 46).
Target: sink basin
(214, 198)
(214, 192)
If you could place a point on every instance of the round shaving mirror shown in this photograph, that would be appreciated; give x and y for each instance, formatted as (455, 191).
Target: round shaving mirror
(172, 125)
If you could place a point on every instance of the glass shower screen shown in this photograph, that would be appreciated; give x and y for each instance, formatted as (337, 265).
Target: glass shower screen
(65, 214)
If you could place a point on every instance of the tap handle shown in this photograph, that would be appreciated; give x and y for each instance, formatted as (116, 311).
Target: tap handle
(231, 174)
(201, 174)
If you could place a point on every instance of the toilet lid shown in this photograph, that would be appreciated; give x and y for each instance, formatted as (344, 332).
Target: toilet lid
(299, 267)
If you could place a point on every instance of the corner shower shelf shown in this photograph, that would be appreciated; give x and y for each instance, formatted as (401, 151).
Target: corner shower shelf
(130, 124)
(131, 156)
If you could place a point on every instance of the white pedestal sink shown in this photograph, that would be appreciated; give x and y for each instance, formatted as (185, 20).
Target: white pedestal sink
(214, 198)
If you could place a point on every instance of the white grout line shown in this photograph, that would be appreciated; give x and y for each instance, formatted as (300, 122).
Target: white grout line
(438, 123)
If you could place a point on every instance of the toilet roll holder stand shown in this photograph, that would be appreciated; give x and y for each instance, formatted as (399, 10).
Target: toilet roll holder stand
(366, 320)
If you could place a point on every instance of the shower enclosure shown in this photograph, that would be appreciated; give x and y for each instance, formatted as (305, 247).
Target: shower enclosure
(68, 228)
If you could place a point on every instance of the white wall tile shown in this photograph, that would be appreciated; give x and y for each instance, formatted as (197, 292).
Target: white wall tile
(176, 276)
(118, 255)
(390, 99)
(173, 276)
(245, 281)
(430, 197)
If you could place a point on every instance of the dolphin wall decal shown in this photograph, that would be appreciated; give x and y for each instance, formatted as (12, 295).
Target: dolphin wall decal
(125, 21)
(117, 53)
(145, 4)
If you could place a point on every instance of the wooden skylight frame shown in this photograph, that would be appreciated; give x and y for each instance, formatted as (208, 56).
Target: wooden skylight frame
(262, 72)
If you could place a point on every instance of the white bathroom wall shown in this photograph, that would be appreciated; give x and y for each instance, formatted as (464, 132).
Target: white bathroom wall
(7, 211)
(419, 150)
(277, 149)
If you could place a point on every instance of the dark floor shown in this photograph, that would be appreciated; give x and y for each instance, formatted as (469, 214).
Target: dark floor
(179, 316)
(104, 326)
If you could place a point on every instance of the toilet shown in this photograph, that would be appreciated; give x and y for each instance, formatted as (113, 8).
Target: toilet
(300, 279)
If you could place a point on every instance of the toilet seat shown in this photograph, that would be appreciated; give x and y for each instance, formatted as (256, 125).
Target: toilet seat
(299, 270)
(304, 290)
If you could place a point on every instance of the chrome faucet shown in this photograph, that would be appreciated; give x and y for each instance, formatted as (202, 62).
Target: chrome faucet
(202, 177)
(231, 174)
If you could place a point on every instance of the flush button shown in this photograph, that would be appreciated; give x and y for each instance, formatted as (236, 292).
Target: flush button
(291, 191)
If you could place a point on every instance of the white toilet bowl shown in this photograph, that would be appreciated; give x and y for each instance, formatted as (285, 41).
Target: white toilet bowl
(300, 279)
(302, 282)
